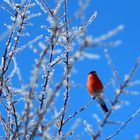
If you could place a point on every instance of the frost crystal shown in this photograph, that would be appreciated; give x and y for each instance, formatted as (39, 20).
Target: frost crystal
(91, 56)
(8, 2)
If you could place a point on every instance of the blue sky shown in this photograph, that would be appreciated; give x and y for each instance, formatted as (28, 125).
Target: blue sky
(110, 15)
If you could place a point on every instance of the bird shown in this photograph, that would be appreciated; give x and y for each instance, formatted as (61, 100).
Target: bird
(95, 89)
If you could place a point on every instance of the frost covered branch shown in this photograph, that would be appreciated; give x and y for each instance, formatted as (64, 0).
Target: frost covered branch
(124, 125)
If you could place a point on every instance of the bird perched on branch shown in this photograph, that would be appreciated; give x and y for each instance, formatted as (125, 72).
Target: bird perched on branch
(95, 89)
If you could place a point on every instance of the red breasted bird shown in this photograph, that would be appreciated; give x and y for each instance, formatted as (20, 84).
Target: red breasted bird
(95, 89)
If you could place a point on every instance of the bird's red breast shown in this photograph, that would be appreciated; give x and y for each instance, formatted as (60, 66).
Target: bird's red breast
(94, 85)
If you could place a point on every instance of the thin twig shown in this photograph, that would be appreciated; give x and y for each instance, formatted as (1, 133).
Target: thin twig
(124, 125)
(80, 110)
(67, 69)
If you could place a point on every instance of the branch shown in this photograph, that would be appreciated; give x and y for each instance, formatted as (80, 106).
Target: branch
(67, 68)
(124, 125)
(79, 111)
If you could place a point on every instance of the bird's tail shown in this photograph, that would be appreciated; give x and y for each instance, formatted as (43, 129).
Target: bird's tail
(102, 103)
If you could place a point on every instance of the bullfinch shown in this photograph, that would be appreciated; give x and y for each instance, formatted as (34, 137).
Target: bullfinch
(95, 89)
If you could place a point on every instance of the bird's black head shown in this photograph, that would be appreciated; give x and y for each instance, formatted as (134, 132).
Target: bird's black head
(92, 72)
